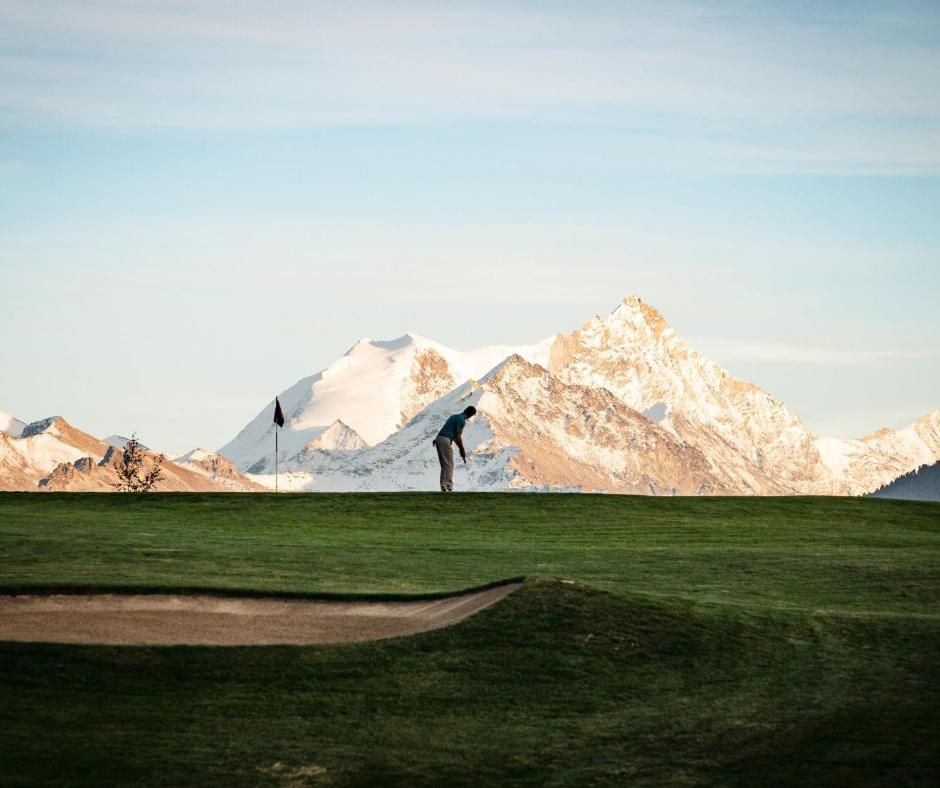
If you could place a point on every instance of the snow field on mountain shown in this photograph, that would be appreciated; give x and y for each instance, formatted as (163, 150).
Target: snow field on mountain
(11, 425)
(41, 453)
(368, 389)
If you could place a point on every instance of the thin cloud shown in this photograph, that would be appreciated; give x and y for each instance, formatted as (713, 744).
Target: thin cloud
(726, 349)
(853, 93)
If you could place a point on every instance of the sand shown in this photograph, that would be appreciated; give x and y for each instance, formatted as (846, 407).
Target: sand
(210, 620)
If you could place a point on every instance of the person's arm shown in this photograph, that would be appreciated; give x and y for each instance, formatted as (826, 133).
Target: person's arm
(459, 442)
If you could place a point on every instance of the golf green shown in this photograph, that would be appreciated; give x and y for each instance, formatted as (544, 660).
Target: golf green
(704, 641)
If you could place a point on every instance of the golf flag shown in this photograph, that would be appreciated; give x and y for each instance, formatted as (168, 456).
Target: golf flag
(279, 420)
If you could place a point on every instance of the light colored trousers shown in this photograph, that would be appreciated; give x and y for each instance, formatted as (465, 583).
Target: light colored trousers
(445, 454)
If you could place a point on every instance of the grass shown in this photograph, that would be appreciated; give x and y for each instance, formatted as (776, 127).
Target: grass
(706, 642)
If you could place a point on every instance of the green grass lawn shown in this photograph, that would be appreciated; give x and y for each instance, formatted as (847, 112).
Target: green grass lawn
(705, 641)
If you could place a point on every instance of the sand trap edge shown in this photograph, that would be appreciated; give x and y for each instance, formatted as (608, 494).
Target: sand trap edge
(249, 593)
(164, 617)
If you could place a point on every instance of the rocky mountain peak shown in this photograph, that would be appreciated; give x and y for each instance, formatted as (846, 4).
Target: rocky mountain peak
(429, 379)
(633, 328)
(112, 457)
(512, 368)
(337, 437)
(216, 468)
(43, 425)
(634, 311)
(196, 455)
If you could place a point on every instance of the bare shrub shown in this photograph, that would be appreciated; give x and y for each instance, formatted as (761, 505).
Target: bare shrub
(132, 477)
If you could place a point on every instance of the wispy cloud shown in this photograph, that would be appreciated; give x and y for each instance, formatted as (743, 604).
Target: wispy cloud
(724, 349)
(850, 91)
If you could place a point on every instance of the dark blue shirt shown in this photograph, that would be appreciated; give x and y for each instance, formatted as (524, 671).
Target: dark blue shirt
(453, 426)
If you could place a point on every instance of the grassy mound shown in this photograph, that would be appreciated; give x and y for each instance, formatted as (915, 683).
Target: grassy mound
(558, 684)
(719, 642)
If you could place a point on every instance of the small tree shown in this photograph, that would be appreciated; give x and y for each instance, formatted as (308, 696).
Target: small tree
(131, 475)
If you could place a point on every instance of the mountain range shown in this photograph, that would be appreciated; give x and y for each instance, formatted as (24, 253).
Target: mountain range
(53, 456)
(620, 405)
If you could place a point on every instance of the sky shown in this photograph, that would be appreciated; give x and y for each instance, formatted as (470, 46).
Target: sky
(201, 203)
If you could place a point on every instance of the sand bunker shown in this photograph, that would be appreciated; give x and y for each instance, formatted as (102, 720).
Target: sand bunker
(194, 619)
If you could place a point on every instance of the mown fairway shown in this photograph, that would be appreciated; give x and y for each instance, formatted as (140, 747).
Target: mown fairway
(705, 641)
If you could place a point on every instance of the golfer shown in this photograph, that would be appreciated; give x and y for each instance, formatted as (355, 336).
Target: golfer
(451, 433)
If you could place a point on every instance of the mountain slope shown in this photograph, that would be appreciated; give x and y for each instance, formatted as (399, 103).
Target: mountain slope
(741, 428)
(636, 355)
(87, 475)
(217, 468)
(532, 432)
(337, 437)
(41, 447)
(52, 455)
(868, 463)
(921, 484)
(374, 389)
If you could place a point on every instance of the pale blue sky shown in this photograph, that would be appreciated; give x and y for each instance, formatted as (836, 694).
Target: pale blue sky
(247, 188)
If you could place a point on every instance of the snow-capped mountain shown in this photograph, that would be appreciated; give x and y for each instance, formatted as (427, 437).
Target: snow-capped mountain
(636, 355)
(868, 463)
(532, 432)
(88, 475)
(52, 455)
(374, 390)
(337, 437)
(41, 447)
(740, 427)
(621, 404)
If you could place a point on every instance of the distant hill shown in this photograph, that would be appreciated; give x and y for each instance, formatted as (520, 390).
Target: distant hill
(921, 484)
(52, 455)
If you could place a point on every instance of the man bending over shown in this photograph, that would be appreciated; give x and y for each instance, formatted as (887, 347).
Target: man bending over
(451, 433)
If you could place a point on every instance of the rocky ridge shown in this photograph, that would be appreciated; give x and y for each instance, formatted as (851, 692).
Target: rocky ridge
(52, 455)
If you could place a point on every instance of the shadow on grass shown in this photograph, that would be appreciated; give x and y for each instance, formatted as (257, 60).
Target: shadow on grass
(558, 684)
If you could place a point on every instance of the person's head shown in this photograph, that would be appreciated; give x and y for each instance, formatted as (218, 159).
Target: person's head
(469, 411)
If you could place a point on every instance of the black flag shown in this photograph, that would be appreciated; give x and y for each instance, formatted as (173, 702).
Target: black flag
(278, 413)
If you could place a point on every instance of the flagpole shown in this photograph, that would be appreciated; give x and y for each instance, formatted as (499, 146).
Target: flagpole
(278, 423)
